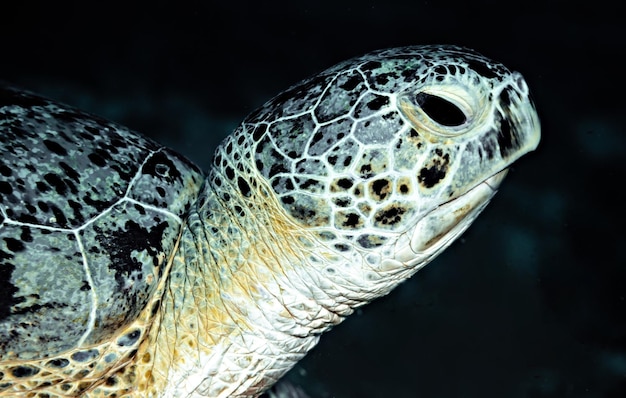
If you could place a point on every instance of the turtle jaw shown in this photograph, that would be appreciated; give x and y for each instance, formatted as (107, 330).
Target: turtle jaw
(442, 225)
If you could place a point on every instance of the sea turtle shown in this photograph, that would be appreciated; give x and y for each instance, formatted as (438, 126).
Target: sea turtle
(126, 271)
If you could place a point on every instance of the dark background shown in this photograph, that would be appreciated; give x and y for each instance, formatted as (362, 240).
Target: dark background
(530, 302)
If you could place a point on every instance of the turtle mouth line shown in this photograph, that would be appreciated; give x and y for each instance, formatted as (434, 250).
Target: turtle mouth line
(447, 221)
(495, 180)
(492, 182)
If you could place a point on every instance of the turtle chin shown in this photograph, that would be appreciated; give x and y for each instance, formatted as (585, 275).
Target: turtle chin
(440, 227)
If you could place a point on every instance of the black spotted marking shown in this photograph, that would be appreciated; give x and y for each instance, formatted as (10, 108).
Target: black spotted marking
(504, 98)
(380, 188)
(429, 177)
(507, 133)
(488, 146)
(309, 184)
(367, 241)
(85, 356)
(26, 235)
(97, 159)
(340, 96)
(371, 66)
(70, 173)
(351, 220)
(111, 381)
(435, 171)
(414, 137)
(276, 169)
(79, 164)
(132, 354)
(132, 238)
(378, 102)
(58, 363)
(344, 183)
(282, 184)
(244, 188)
(288, 200)
(365, 171)
(345, 201)
(218, 159)
(296, 99)
(317, 137)
(506, 138)
(155, 307)
(382, 79)
(59, 216)
(5, 188)
(9, 293)
(264, 143)
(14, 245)
(241, 139)
(481, 68)
(161, 166)
(239, 211)
(230, 173)
(351, 82)
(304, 210)
(56, 182)
(24, 371)
(389, 216)
(55, 147)
(259, 165)
(5, 170)
(129, 339)
(42, 187)
(342, 247)
(140, 209)
(440, 70)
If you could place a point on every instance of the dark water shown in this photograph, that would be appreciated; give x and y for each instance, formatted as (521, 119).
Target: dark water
(531, 302)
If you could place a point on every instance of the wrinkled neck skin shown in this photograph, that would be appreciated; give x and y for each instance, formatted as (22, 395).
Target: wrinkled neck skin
(247, 298)
(250, 291)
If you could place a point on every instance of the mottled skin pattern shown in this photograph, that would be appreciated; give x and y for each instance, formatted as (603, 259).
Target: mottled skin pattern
(89, 214)
(116, 281)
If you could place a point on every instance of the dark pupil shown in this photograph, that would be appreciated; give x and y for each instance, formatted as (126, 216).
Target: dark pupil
(441, 111)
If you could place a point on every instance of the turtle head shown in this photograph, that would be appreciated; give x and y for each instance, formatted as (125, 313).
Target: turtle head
(388, 157)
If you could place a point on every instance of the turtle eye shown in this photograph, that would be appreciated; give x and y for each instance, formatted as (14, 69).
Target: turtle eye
(440, 110)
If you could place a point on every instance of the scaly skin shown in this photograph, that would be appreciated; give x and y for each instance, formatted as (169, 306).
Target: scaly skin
(324, 199)
(292, 261)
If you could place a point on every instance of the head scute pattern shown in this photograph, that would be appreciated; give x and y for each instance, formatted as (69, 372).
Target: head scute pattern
(126, 271)
(360, 152)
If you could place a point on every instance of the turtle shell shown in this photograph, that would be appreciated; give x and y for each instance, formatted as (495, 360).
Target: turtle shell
(89, 216)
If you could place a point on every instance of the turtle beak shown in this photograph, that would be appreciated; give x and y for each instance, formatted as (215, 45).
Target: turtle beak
(446, 222)
(441, 226)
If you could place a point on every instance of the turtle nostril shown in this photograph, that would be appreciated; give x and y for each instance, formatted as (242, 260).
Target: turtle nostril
(440, 110)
